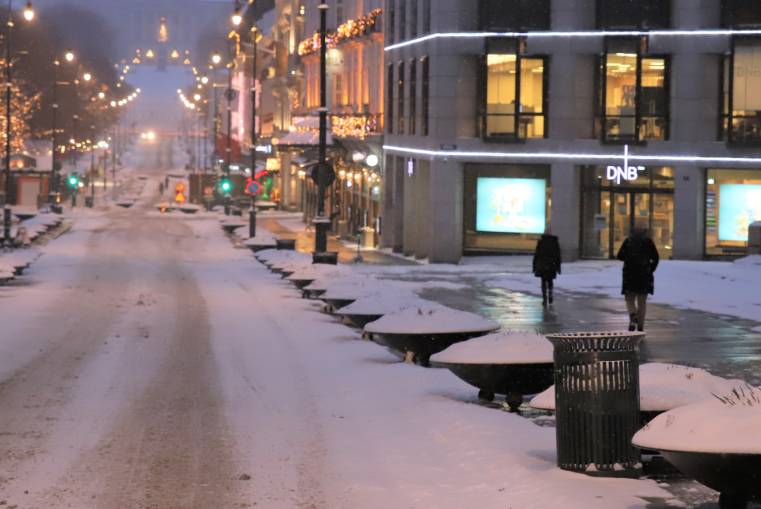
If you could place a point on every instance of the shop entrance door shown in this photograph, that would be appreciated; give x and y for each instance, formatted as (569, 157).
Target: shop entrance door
(653, 211)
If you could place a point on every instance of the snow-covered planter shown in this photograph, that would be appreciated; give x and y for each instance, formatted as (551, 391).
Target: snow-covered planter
(422, 331)
(307, 275)
(229, 225)
(716, 441)
(663, 387)
(374, 306)
(343, 292)
(506, 362)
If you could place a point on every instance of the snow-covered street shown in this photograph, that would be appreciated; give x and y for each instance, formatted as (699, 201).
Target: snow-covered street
(146, 362)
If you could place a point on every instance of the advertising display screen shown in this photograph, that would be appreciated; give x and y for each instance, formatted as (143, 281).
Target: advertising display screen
(511, 205)
(739, 206)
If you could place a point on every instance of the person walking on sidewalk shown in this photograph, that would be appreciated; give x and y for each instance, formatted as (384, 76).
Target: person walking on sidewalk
(546, 264)
(640, 257)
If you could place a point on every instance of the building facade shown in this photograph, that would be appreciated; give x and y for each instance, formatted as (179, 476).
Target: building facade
(505, 118)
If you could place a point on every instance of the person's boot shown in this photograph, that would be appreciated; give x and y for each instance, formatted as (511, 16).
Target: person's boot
(641, 326)
(550, 296)
(544, 298)
(632, 323)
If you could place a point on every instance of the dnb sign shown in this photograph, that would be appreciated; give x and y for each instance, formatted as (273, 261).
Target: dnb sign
(625, 172)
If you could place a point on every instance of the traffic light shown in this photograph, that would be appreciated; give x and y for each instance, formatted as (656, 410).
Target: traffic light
(73, 181)
(225, 186)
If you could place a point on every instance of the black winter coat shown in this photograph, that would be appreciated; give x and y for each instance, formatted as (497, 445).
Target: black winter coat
(640, 257)
(547, 260)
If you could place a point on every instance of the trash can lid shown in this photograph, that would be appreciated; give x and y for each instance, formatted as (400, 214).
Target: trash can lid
(603, 341)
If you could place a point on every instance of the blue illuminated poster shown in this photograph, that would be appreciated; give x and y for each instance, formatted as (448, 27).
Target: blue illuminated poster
(511, 205)
(739, 205)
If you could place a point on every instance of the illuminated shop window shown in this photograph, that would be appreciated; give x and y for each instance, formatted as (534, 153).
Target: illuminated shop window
(515, 94)
(733, 202)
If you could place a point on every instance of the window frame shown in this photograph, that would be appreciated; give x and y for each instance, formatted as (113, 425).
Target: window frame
(602, 92)
(425, 91)
(483, 15)
(727, 116)
(484, 90)
(390, 86)
(641, 25)
(401, 83)
(412, 106)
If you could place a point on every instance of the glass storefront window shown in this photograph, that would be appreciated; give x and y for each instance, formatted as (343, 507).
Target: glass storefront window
(633, 14)
(506, 208)
(635, 97)
(610, 211)
(511, 80)
(733, 202)
(741, 113)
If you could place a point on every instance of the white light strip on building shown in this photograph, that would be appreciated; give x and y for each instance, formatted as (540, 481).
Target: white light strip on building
(576, 34)
(563, 156)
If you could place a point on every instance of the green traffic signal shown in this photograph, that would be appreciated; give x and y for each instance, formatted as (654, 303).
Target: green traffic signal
(226, 186)
(73, 181)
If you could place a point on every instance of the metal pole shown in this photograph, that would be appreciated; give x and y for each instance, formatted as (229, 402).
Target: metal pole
(252, 213)
(229, 148)
(92, 166)
(215, 128)
(321, 222)
(53, 195)
(8, 132)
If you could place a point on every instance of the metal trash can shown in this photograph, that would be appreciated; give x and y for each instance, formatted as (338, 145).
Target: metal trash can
(597, 402)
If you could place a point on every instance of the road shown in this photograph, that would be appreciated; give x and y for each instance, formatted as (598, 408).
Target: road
(109, 392)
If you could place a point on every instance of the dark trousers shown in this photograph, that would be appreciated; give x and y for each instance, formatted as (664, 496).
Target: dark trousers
(548, 285)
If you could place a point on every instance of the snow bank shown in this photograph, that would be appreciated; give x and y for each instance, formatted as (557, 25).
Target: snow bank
(319, 270)
(663, 386)
(505, 347)
(430, 318)
(727, 425)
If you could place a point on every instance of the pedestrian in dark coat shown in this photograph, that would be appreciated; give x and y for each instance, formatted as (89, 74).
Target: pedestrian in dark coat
(546, 264)
(640, 257)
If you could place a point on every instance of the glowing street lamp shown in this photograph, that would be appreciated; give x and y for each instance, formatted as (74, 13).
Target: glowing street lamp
(29, 12)
(69, 56)
(237, 17)
(216, 58)
(87, 76)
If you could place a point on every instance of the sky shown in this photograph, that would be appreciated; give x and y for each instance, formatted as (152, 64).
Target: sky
(135, 24)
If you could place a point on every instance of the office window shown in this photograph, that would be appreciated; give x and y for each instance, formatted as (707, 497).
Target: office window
(515, 93)
(424, 95)
(339, 12)
(413, 18)
(741, 13)
(634, 96)
(633, 14)
(515, 14)
(390, 19)
(413, 97)
(400, 98)
(426, 16)
(390, 98)
(741, 101)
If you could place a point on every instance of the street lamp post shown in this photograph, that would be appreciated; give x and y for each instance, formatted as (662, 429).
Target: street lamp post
(28, 16)
(229, 148)
(92, 166)
(321, 222)
(254, 138)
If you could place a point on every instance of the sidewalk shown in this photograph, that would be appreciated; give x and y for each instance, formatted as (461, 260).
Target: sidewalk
(346, 253)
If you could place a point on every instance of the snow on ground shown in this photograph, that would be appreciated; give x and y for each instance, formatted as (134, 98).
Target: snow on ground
(329, 420)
